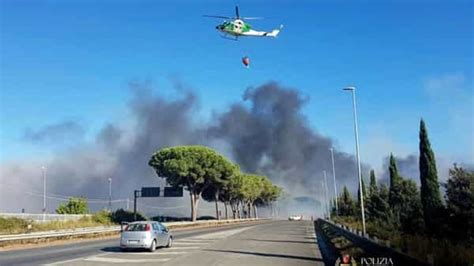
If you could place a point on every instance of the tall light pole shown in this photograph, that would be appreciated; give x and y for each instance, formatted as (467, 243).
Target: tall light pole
(327, 194)
(352, 90)
(334, 177)
(43, 170)
(325, 208)
(110, 194)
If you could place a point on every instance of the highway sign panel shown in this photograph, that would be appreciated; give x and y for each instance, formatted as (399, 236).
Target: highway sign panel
(150, 192)
(173, 192)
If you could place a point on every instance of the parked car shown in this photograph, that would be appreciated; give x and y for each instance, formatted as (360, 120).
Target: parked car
(295, 218)
(145, 234)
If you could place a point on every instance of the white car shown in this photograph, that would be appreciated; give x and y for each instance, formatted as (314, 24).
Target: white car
(149, 235)
(295, 218)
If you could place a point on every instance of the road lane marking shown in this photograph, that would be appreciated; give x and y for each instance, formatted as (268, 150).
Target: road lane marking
(193, 240)
(152, 253)
(74, 260)
(116, 260)
(189, 244)
(224, 234)
(173, 248)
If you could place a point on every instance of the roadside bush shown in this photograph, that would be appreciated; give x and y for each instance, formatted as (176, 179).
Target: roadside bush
(13, 225)
(122, 215)
(102, 217)
(73, 206)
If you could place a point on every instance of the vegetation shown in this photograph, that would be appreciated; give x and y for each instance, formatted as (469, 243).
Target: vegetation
(73, 206)
(415, 220)
(122, 215)
(196, 168)
(101, 218)
(209, 175)
(430, 195)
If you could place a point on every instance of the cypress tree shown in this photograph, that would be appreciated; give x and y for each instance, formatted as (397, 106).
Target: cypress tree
(373, 183)
(364, 192)
(395, 180)
(346, 204)
(378, 209)
(430, 195)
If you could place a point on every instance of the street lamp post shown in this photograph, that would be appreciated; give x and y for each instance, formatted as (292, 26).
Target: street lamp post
(325, 209)
(110, 194)
(327, 195)
(334, 177)
(356, 132)
(43, 170)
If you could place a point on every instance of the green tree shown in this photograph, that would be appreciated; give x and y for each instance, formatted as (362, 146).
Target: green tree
(234, 194)
(411, 216)
(194, 167)
(430, 195)
(395, 180)
(378, 208)
(73, 206)
(364, 192)
(346, 203)
(373, 183)
(251, 190)
(395, 198)
(460, 203)
(122, 215)
(269, 193)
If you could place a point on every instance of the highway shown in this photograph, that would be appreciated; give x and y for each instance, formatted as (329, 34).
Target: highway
(265, 243)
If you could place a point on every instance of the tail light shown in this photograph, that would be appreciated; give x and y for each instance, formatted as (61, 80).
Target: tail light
(148, 227)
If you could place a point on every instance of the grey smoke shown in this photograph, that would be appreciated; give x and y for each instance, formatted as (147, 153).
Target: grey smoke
(58, 132)
(407, 167)
(266, 133)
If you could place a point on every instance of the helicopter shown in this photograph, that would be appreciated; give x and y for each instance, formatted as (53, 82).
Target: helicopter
(238, 28)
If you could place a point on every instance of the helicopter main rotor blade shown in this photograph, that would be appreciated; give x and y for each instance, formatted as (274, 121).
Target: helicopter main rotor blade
(252, 18)
(237, 12)
(224, 17)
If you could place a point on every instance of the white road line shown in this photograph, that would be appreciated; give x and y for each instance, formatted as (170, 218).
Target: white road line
(193, 240)
(224, 234)
(74, 260)
(173, 248)
(153, 253)
(188, 244)
(115, 260)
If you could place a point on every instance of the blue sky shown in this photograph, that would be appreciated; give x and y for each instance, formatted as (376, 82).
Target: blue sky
(72, 60)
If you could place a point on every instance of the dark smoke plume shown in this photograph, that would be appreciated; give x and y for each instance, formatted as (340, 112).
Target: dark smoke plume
(55, 133)
(266, 133)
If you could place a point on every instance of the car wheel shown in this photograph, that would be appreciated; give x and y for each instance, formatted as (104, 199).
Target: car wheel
(170, 242)
(153, 246)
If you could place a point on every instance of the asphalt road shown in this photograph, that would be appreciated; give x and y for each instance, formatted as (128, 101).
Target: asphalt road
(268, 243)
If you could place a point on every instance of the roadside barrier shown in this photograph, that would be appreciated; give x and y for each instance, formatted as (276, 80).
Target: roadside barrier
(373, 248)
(46, 236)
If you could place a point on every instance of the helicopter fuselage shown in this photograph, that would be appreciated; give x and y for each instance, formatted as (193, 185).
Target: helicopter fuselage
(236, 27)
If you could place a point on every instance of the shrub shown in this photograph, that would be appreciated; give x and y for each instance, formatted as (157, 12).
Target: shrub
(102, 217)
(122, 215)
(73, 206)
(13, 225)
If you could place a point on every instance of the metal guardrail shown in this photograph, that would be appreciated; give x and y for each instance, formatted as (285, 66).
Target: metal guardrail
(99, 230)
(372, 246)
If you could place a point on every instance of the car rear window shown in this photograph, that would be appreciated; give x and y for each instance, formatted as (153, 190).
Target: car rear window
(136, 227)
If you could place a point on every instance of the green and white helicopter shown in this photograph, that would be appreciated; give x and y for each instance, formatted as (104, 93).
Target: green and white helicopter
(237, 27)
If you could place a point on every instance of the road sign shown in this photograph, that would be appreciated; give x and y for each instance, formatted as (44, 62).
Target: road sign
(173, 192)
(150, 192)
